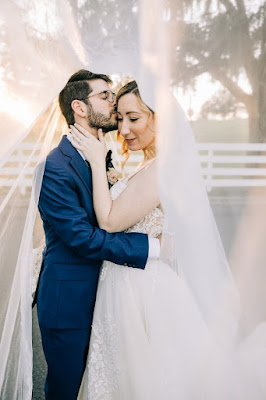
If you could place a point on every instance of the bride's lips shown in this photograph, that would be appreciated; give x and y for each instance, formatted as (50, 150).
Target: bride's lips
(129, 141)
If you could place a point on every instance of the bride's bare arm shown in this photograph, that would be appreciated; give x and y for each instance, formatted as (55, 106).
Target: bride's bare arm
(138, 198)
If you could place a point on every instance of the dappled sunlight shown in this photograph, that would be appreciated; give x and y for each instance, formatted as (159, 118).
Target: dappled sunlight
(16, 110)
(16, 118)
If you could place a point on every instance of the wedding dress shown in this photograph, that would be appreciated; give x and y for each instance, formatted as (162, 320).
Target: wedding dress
(138, 333)
(150, 342)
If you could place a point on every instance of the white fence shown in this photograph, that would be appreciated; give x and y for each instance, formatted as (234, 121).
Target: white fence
(233, 164)
(223, 165)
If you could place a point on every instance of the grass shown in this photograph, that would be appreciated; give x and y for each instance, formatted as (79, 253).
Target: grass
(230, 131)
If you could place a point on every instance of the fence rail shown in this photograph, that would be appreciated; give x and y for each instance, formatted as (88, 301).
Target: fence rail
(233, 164)
(223, 165)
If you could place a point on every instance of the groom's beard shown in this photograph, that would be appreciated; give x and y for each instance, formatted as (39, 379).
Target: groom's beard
(98, 120)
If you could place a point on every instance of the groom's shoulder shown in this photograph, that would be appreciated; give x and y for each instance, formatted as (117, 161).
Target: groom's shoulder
(62, 153)
(59, 154)
(55, 162)
(55, 155)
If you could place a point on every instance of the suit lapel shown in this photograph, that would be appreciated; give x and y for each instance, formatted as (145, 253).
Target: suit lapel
(82, 170)
(77, 162)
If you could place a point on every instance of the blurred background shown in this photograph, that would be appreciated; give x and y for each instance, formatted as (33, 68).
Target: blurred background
(218, 74)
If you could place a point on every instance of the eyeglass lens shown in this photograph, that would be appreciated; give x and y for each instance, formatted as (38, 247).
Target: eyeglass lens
(110, 96)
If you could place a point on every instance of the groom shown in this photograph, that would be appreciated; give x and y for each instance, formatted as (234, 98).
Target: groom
(75, 245)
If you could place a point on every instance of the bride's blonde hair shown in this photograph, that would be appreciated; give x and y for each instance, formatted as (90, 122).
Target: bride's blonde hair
(131, 87)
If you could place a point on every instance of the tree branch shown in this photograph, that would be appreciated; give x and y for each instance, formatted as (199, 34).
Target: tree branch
(236, 91)
(241, 6)
(250, 63)
(228, 5)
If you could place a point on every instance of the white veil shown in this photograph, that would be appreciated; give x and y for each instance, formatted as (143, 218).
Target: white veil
(190, 228)
(43, 44)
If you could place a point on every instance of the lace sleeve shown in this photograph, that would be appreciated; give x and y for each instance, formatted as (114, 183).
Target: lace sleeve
(151, 224)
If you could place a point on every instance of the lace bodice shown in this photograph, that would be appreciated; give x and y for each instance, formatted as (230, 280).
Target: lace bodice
(151, 224)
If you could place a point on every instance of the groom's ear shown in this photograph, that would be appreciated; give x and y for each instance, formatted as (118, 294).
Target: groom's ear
(79, 108)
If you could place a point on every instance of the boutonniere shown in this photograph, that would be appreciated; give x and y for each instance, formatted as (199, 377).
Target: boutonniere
(112, 175)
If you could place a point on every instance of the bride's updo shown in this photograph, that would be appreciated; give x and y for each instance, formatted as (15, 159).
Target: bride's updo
(131, 87)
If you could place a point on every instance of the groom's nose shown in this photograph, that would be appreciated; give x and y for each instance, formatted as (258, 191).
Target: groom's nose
(113, 104)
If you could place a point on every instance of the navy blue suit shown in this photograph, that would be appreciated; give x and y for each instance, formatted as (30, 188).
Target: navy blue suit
(75, 249)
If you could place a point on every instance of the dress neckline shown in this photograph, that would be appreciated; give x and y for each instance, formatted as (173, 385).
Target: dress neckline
(137, 170)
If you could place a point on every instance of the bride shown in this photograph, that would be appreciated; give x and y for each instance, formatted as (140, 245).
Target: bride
(137, 326)
(149, 339)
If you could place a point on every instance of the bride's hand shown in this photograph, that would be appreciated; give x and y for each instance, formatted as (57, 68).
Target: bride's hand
(94, 150)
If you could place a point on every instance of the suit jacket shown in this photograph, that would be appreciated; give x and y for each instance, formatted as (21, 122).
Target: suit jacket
(75, 245)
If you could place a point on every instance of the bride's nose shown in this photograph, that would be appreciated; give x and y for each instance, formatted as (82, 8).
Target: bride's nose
(124, 130)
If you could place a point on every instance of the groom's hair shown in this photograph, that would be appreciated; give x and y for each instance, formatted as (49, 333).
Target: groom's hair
(77, 88)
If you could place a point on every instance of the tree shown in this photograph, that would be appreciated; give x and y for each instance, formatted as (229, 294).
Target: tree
(227, 39)
(222, 104)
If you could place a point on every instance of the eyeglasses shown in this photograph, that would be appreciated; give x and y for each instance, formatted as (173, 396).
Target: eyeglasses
(105, 95)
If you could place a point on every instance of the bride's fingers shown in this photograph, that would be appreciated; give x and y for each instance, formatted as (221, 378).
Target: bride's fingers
(76, 144)
(77, 132)
(83, 130)
(100, 136)
(79, 135)
(102, 140)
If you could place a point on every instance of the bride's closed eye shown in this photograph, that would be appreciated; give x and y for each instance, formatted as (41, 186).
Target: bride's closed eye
(131, 119)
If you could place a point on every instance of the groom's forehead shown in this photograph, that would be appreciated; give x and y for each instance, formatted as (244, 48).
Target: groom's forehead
(98, 85)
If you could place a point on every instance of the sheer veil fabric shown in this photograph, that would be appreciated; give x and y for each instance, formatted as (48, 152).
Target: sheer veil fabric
(43, 44)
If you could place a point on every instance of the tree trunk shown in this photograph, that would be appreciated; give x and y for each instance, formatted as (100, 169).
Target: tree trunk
(262, 105)
(253, 127)
(256, 108)
(257, 127)
(262, 127)
(253, 120)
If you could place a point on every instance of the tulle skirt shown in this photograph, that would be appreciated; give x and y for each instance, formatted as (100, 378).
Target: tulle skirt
(150, 342)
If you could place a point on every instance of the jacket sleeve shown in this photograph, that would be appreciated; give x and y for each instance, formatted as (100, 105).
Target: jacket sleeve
(59, 204)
